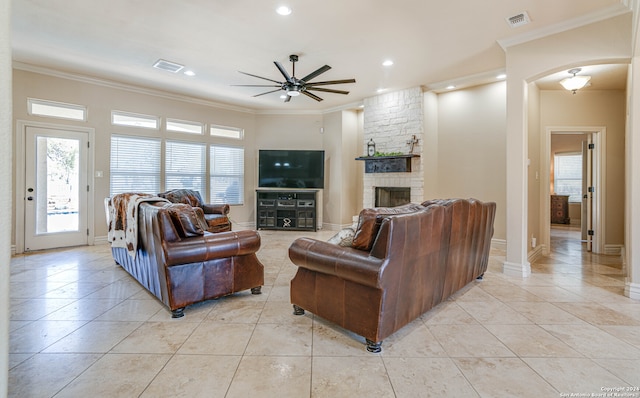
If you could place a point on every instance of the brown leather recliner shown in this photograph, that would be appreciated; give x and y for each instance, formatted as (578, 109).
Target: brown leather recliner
(182, 264)
(418, 257)
(217, 215)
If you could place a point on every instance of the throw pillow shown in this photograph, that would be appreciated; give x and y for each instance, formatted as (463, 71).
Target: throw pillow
(369, 223)
(186, 220)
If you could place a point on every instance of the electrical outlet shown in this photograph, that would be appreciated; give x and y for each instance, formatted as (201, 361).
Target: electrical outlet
(533, 242)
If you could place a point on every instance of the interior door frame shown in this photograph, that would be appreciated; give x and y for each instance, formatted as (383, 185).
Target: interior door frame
(599, 134)
(20, 162)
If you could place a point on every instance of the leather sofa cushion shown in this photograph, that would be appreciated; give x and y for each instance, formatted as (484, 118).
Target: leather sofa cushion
(369, 222)
(188, 221)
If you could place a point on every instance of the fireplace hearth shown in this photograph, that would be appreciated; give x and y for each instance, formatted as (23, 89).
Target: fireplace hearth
(392, 196)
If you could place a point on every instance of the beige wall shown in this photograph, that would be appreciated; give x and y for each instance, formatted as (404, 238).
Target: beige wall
(341, 148)
(471, 147)
(101, 99)
(606, 41)
(596, 108)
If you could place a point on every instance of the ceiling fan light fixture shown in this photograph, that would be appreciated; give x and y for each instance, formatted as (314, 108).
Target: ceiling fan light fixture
(574, 82)
(293, 91)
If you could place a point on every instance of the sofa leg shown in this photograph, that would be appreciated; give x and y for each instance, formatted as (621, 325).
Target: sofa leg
(297, 310)
(480, 277)
(256, 290)
(374, 347)
(177, 313)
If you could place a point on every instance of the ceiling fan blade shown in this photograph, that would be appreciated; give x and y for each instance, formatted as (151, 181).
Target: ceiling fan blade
(283, 71)
(256, 85)
(288, 98)
(260, 77)
(316, 73)
(332, 82)
(308, 94)
(268, 92)
(327, 90)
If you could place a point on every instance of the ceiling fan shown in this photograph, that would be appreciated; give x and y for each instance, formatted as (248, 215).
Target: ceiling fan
(294, 86)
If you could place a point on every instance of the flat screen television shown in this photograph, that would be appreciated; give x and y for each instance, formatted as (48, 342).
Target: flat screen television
(290, 169)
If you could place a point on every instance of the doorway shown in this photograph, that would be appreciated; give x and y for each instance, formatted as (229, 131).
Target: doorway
(591, 226)
(53, 193)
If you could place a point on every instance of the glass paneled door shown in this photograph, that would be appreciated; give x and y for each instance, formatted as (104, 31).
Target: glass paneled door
(55, 188)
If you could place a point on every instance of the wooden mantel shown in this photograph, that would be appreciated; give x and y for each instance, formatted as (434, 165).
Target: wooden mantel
(387, 164)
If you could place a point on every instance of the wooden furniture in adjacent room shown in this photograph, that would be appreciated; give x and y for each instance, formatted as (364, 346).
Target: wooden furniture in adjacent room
(560, 209)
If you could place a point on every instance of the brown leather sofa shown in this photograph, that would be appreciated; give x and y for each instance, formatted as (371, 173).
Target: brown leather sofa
(181, 263)
(217, 215)
(403, 262)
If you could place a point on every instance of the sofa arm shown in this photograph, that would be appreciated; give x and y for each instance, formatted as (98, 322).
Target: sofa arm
(216, 209)
(343, 262)
(211, 246)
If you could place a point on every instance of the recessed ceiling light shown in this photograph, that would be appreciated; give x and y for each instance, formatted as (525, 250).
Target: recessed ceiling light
(388, 62)
(189, 73)
(381, 90)
(501, 76)
(451, 87)
(283, 10)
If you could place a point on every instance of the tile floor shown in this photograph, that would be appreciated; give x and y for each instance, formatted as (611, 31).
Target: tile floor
(80, 326)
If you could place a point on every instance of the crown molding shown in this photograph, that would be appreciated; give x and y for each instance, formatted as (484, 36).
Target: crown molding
(172, 96)
(596, 16)
(126, 87)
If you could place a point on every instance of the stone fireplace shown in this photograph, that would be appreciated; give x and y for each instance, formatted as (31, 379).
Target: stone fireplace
(391, 121)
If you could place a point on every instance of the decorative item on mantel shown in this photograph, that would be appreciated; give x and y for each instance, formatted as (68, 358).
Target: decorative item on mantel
(412, 142)
(371, 147)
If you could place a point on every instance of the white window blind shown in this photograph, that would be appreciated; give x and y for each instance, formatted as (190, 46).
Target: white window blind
(185, 166)
(567, 179)
(135, 165)
(226, 173)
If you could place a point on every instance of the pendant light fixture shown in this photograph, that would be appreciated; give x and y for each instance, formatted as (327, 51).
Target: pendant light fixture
(574, 82)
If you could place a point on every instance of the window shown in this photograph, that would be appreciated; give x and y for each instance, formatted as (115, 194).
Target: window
(183, 126)
(119, 118)
(56, 109)
(226, 132)
(567, 175)
(135, 165)
(226, 173)
(185, 166)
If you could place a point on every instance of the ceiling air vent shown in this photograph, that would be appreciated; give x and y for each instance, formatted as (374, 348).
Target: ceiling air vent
(168, 66)
(519, 20)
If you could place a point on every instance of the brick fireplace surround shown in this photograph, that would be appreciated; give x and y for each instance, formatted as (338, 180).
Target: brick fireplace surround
(391, 120)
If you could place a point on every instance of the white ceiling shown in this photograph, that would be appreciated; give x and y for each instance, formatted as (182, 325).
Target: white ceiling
(431, 43)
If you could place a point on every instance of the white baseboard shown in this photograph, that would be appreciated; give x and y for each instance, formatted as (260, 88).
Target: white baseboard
(535, 254)
(100, 240)
(500, 244)
(615, 250)
(632, 290)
